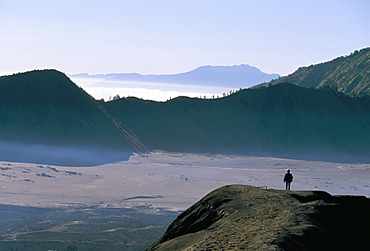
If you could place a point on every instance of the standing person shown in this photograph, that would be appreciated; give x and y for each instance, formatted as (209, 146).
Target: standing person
(288, 178)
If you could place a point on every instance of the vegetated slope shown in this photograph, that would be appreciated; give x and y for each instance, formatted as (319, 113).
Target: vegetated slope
(240, 217)
(45, 108)
(283, 120)
(349, 74)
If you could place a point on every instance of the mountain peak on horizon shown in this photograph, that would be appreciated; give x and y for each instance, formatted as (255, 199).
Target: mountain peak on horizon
(235, 76)
(226, 66)
(240, 67)
(238, 76)
(246, 68)
(233, 66)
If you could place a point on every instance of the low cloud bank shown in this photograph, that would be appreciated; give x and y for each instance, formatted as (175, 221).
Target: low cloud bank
(62, 156)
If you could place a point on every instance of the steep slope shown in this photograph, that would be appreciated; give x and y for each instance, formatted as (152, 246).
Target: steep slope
(349, 74)
(283, 120)
(44, 108)
(241, 217)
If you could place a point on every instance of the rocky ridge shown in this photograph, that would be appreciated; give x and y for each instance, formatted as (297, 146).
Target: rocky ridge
(348, 74)
(240, 217)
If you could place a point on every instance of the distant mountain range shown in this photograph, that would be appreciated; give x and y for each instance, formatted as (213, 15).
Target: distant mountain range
(237, 76)
(347, 74)
(46, 118)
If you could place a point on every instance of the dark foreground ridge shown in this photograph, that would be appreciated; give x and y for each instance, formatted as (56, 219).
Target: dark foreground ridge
(240, 217)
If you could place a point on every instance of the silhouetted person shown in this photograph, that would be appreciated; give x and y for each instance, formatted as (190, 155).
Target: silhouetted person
(288, 178)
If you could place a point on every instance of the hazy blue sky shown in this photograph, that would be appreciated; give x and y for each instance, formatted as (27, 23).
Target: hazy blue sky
(171, 36)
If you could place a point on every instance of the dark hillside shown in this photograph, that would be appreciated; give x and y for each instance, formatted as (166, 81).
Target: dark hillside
(349, 74)
(240, 217)
(282, 120)
(45, 108)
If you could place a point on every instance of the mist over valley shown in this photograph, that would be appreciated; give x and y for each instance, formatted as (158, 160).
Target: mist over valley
(80, 173)
(204, 81)
(184, 125)
(45, 108)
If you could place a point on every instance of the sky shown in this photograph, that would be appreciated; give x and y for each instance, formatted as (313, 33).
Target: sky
(172, 36)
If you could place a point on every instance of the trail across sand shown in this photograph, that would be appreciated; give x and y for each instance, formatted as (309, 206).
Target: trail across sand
(172, 181)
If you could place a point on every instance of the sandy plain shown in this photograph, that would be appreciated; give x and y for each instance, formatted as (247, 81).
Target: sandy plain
(169, 181)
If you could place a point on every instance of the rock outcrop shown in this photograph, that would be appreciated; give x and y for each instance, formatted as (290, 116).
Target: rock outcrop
(240, 217)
